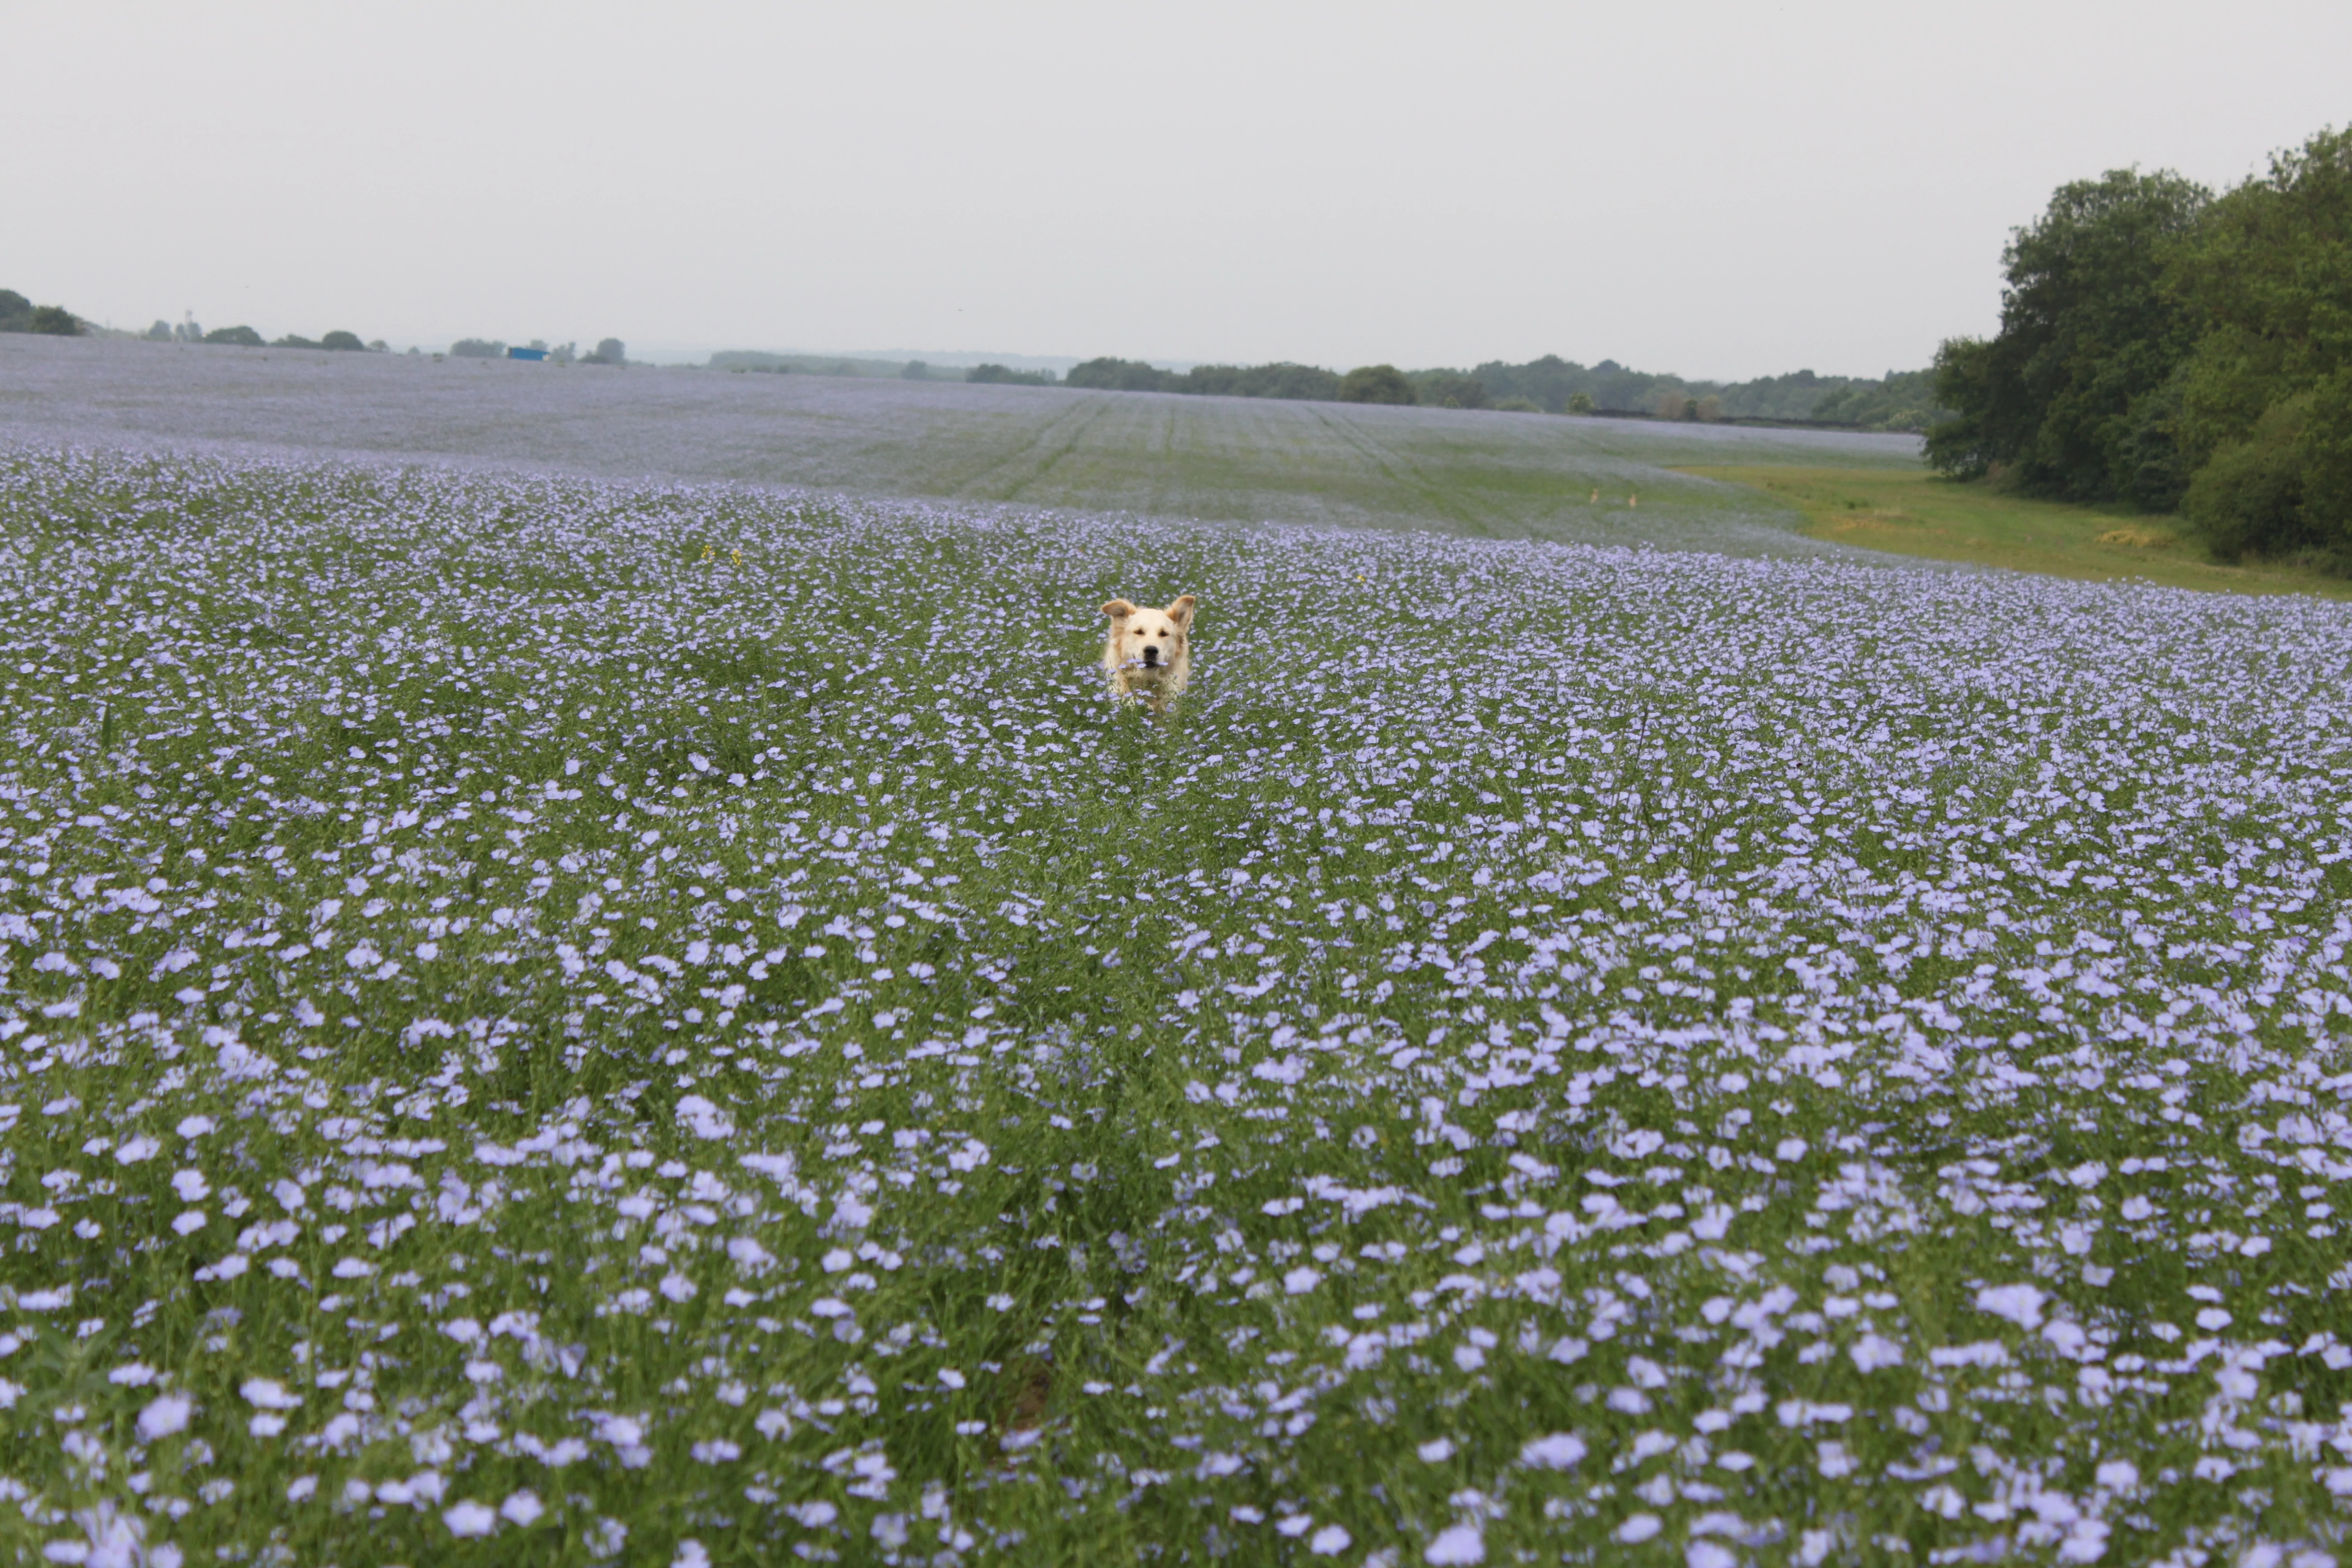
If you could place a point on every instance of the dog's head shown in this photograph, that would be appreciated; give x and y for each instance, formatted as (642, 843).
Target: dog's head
(1152, 639)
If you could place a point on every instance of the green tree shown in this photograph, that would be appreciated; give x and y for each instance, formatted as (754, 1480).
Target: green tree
(2089, 331)
(1109, 374)
(1375, 384)
(56, 322)
(1580, 402)
(240, 337)
(1006, 375)
(347, 342)
(2264, 407)
(1447, 389)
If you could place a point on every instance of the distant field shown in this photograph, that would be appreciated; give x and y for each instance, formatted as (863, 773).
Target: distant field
(1493, 475)
(1908, 511)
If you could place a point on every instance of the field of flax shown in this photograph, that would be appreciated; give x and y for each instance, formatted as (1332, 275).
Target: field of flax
(553, 1020)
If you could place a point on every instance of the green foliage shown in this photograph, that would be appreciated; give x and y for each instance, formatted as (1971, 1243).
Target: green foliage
(1305, 383)
(237, 337)
(1375, 384)
(19, 314)
(293, 341)
(610, 351)
(2248, 498)
(1121, 375)
(343, 341)
(2088, 329)
(477, 348)
(2270, 277)
(915, 369)
(1580, 402)
(1903, 400)
(2166, 349)
(1447, 389)
(1006, 375)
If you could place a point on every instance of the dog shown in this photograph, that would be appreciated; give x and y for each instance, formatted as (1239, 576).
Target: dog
(1150, 653)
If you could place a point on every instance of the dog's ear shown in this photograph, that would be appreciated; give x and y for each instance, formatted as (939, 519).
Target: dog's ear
(1118, 609)
(1181, 611)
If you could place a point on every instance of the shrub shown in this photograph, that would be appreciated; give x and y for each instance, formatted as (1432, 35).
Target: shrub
(2248, 498)
(237, 337)
(343, 343)
(1302, 382)
(1109, 374)
(1449, 389)
(1006, 375)
(1580, 402)
(1376, 383)
(293, 341)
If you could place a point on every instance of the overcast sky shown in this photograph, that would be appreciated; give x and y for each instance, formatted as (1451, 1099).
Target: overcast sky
(1715, 189)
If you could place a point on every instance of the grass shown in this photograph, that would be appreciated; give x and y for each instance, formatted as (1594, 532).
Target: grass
(584, 1022)
(1908, 511)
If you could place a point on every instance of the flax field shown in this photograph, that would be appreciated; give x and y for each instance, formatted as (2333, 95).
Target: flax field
(599, 1021)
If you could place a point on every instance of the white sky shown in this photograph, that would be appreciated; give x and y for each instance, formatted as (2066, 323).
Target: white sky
(1715, 189)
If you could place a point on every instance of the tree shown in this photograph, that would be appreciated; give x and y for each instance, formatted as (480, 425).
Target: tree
(1283, 379)
(239, 337)
(1580, 402)
(1375, 384)
(611, 351)
(1449, 389)
(915, 369)
(1109, 374)
(13, 306)
(2264, 407)
(56, 322)
(477, 348)
(161, 332)
(2089, 332)
(291, 340)
(1006, 375)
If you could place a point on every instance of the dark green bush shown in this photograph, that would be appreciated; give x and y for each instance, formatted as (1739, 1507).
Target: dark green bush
(2248, 498)
(1376, 383)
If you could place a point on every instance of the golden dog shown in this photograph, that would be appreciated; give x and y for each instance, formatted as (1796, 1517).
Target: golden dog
(1150, 653)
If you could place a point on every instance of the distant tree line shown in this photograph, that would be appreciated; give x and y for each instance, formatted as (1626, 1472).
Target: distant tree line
(2166, 347)
(1901, 401)
(19, 314)
(190, 331)
(1006, 375)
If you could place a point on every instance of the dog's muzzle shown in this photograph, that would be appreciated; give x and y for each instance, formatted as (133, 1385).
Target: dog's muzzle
(1150, 658)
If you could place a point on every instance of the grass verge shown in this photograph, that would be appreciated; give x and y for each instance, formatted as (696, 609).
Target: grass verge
(1910, 512)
